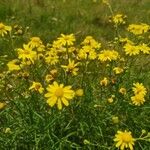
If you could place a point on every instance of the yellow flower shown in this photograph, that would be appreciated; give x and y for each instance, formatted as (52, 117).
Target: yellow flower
(144, 48)
(123, 91)
(139, 89)
(118, 70)
(138, 99)
(79, 92)
(110, 100)
(124, 140)
(13, 65)
(119, 19)
(87, 52)
(66, 40)
(89, 40)
(58, 94)
(131, 49)
(26, 54)
(4, 29)
(51, 57)
(104, 82)
(108, 55)
(71, 67)
(49, 78)
(138, 29)
(2, 105)
(35, 42)
(36, 86)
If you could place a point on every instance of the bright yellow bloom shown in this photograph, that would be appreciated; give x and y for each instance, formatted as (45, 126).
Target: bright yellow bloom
(144, 48)
(36, 86)
(131, 49)
(124, 140)
(66, 40)
(119, 19)
(123, 91)
(139, 89)
(4, 29)
(138, 29)
(26, 54)
(110, 100)
(49, 78)
(89, 40)
(13, 65)
(104, 82)
(138, 99)
(108, 55)
(71, 67)
(2, 105)
(79, 92)
(35, 42)
(51, 57)
(118, 70)
(87, 52)
(58, 94)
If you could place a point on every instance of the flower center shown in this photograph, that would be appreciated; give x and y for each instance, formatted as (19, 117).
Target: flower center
(127, 138)
(37, 86)
(26, 52)
(59, 92)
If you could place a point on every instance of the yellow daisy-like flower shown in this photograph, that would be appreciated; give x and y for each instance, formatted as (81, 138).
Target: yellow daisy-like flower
(119, 19)
(89, 40)
(118, 70)
(58, 94)
(144, 48)
(26, 54)
(123, 91)
(139, 89)
(104, 82)
(13, 65)
(36, 86)
(71, 67)
(108, 55)
(87, 52)
(35, 42)
(138, 99)
(4, 29)
(124, 140)
(131, 49)
(138, 29)
(66, 40)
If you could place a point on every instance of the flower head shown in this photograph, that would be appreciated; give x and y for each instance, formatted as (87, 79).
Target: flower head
(139, 89)
(13, 65)
(26, 54)
(4, 29)
(35, 42)
(36, 86)
(138, 29)
(124, 140)
(108, 55)
(58, 94)
(66, 40)
(71, 67)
